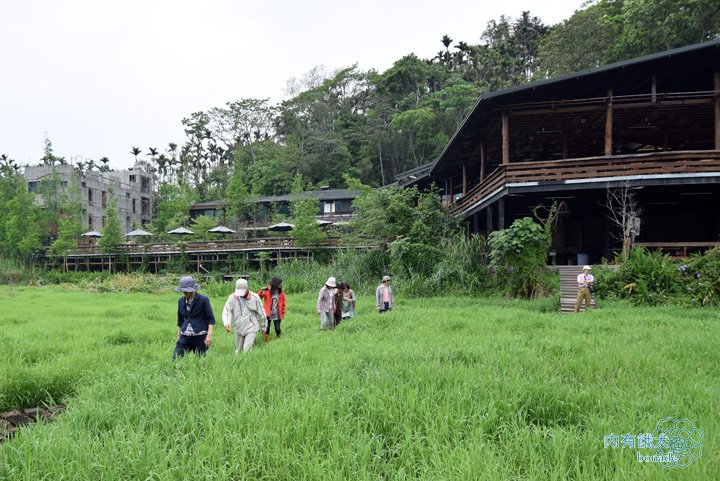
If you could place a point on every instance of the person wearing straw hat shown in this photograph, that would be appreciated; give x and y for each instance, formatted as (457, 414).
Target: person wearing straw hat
(585, 282)
(195, 320)
(384, 297)
(326, 304)
(244, 312)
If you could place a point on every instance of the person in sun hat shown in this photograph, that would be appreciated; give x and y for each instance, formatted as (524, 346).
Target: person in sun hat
(195, 319)
(326, 304)
(384, 297)
(245, 313)
(585, 283)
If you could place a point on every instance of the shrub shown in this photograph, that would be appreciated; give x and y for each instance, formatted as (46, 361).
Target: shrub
(650, 277)
(12, 272)
(700, 277)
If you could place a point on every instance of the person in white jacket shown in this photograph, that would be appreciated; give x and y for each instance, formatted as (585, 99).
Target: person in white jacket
(244, 311)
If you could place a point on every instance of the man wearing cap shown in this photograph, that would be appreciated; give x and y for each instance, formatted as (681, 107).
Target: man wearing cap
(245, 313)
(585, 281)
(384, 298)
(326, 304)
(195, 320)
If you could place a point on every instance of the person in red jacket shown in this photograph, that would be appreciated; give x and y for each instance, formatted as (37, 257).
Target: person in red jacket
(273, 299)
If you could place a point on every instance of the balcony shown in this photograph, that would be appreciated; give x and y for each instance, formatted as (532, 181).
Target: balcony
(598, 169)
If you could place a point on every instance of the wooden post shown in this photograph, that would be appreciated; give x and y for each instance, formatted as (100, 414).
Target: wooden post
(505, 138)
(501, 214)
(482, 161)
(717, 110)
(653, 90)
(452, 190)
(464, 178)
(608, 124)
(489, 220)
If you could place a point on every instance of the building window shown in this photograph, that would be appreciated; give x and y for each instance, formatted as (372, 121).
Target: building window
(144, 206)
(133, 178)
(104, 198)
(127, 222)
(33, 187)
(63, 183)
(84, 185)
(134, 208)
(90, 221)
(329, 208)
(90, 196)
(127, 194)
(144, 183)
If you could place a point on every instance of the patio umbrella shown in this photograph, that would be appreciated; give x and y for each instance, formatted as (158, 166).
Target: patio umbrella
(281, 227)
(324, 223)
(91, 233)
(221, 229)
(180, 231)
(138, 233)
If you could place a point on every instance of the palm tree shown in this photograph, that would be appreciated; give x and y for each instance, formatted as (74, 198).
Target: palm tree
(135, 151)
(104, 167)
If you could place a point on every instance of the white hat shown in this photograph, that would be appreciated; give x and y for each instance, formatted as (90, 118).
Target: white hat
(330, 282)
(586, 267)
(241, 287)
(386, 278)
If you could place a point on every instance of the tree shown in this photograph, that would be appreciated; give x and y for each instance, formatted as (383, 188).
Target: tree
(307, 231)
(624, 213)
(112, 236)
(236, 197)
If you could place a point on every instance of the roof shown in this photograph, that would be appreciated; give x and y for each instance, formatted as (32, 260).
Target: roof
(681, 68)
(321, 195)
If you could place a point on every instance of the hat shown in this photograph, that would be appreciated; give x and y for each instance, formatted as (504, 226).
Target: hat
(586, 267)
(386, 278)
(241, 287)
(330, 282)
(187, 284)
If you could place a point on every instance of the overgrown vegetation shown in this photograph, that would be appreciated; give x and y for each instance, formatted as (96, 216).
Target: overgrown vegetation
(441, 387)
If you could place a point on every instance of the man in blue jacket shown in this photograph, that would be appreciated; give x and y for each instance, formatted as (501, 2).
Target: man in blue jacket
(195, 320)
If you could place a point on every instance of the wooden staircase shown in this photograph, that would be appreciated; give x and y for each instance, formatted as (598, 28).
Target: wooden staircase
(569, 289)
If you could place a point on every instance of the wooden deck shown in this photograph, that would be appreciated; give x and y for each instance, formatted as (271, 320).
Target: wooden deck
(562, 171)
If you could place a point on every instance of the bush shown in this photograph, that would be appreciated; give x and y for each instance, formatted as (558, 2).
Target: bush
(700, 277)
(13, 272)
(650, 277)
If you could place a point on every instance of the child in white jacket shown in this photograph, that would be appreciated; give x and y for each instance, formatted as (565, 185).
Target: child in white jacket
(244, 311)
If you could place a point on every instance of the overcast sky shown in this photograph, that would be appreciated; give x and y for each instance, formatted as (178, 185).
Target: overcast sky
(102, 76)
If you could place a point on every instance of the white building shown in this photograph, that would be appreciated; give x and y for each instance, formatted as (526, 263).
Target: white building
(132, 188)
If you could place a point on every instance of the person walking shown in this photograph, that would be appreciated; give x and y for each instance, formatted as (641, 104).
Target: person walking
(325, 304)
(244, 312)
(348, 303)
(586, 283)
(195, 320)
(338, 294)
(273, 299)
(384, 298)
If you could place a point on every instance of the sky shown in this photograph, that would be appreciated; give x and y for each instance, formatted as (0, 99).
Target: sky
(99, 77)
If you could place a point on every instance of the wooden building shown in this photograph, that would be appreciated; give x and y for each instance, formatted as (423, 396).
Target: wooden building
(651, 124)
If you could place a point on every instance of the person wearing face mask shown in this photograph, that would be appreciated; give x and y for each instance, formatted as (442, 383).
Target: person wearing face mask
(195, 320)
(245, 314)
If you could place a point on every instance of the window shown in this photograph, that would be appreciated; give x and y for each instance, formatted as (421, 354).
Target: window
(329, 208)
(144, 183)
(133, 178)
(134, 208)
(127, 194)
(127, 222)
(63, 183)
(90, 221)
(33, 187)
(144, 206)
(90, 196)
(84, 185)
(104, 198)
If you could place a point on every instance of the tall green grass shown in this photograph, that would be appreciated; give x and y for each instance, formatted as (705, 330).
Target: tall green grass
(439, 388)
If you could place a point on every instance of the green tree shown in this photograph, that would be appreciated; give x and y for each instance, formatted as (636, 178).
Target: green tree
(112, 236)
(307, 231)
(236, 197)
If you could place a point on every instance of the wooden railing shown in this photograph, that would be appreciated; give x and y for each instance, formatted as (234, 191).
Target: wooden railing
(686, 162)
(267, 243)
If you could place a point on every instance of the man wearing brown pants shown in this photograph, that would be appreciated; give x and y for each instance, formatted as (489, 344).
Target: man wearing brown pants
(585, 281)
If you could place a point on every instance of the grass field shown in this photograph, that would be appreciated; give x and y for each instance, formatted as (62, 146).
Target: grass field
(437, 389)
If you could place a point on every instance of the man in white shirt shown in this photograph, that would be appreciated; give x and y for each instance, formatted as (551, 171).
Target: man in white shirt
(584, 280)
